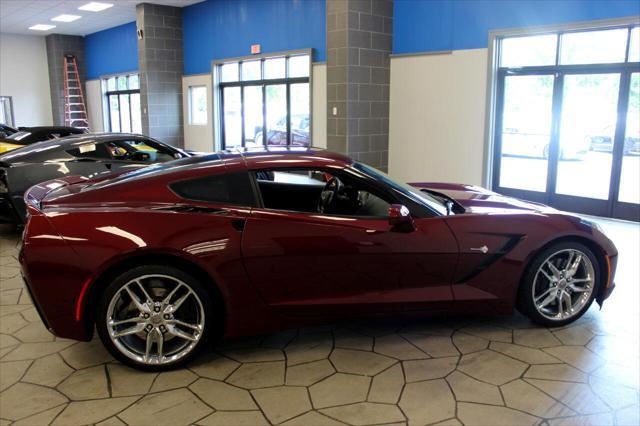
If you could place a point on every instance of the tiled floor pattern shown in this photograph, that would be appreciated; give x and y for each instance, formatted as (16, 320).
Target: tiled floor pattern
(489, 371)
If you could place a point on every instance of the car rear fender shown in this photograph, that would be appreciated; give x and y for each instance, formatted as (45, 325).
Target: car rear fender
(42, 248)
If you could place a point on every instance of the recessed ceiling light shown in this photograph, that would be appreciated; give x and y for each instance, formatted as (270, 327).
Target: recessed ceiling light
(66, 18)
(41, 27)
(94, 6)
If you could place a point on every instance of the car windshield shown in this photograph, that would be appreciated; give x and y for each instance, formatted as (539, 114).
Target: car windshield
(18, 136)
(406, 190)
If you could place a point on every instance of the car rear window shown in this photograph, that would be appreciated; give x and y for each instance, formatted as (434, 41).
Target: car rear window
(226, 188)
(154, 170)
(18, 136)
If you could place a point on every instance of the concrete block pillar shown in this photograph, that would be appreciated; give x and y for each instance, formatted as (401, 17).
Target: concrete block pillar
(160, 63)
(58, 46)
(359, 39)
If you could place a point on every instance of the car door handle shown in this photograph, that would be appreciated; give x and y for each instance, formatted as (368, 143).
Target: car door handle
(483, 249)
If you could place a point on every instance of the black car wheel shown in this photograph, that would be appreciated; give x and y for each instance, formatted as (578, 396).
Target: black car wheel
(154, 317)
(560, 284)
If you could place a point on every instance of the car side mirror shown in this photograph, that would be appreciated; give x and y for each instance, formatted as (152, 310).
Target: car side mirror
(400, 219)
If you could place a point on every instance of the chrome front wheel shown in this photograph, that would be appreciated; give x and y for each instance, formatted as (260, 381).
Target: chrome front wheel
(563, 284)
(153, 319)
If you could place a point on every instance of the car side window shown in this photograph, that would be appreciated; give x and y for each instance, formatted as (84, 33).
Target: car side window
(91, 150)
(143, 151)
(320, 191)
(226, 188)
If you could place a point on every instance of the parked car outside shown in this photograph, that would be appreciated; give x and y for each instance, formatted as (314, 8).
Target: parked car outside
(603, 142)
(277, 135)
(536, 145)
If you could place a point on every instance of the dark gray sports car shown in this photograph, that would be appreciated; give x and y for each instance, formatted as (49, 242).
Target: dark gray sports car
(87, 155)
(24, 136)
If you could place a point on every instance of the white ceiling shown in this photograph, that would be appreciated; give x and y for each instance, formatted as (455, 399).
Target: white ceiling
(16, 16)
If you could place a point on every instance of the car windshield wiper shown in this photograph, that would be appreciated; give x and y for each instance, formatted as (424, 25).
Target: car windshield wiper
(449, 205)
(447, 201)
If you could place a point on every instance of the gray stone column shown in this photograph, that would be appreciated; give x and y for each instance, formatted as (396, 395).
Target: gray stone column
(359, 37)
(160, 63)
(58, 46)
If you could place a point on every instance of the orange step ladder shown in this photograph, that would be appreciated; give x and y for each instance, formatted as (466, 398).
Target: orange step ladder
(75, 111)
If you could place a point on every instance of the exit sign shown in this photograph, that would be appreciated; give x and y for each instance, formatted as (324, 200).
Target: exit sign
(255, 49)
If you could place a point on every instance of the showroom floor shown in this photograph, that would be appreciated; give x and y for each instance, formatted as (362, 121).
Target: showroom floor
(490, 371)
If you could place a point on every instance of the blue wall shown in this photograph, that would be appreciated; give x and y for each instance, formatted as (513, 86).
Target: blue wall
(432, 25)
(111, 51)
(218, 29)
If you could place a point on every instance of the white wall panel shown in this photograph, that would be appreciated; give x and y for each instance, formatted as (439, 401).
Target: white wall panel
(24, 75)
(197, 137)
(319, 107)
(437, 117)
(94, 105)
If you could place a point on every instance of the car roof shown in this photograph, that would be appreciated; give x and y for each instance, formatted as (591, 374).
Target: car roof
(261, 157)
(38, 129)
(243, 158)
(266, 157)
(65, 143)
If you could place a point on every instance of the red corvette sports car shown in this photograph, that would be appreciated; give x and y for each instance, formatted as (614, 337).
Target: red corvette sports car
(163, 258)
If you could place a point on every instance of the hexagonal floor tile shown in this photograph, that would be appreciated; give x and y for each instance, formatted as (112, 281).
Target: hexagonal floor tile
(427, 402)
(23, 399)
(428, 369)
(166, 408)
(339, 389)
(365, 413)
(282, 403)
(359, 362)
(491, 367)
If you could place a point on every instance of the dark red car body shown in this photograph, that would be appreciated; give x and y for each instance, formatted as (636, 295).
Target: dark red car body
(276, 269)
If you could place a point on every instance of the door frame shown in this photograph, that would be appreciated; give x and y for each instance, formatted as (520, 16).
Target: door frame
(495, 107)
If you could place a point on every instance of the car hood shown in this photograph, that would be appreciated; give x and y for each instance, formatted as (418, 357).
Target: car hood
(475, 199)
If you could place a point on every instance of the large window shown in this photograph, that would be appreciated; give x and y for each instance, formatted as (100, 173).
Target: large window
(566, 119)
(122, 100)
(6, 111)
(197, 99)
(265, 101)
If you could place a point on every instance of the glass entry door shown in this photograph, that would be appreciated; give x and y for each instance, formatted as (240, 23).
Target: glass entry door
(587, 127)
(526, 132)
(628, 191)
(567, 128)
(559, 140)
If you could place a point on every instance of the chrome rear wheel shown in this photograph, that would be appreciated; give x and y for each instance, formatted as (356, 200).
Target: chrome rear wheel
(155, 319)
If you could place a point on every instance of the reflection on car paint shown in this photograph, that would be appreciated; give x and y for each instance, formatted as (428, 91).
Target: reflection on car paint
(114, 230)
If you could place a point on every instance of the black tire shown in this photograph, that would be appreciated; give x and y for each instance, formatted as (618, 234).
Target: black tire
(525, 303)
(119, 282)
